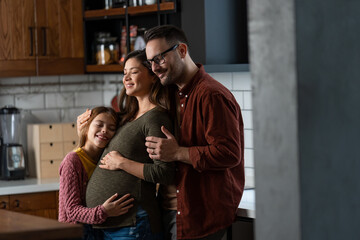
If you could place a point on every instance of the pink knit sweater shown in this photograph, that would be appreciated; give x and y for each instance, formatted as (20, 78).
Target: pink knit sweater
(73, 182)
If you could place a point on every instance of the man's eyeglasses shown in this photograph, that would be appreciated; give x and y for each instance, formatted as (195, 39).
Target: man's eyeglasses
(159, 59)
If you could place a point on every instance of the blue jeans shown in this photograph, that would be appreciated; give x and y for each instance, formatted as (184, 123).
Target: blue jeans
(91, 233)
(141, 231)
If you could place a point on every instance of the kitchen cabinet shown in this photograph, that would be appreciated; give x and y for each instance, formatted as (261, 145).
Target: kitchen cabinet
(48, 144)
(41, 37)
(44, 204)
(113, 20)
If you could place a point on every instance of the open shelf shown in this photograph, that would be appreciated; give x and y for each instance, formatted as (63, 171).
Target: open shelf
(104, 68)
(118, 12)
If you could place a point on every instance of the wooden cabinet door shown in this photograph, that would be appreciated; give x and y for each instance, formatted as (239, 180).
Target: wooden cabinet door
(17, 38)
(60, 37)
(39, 204)
(4, 202)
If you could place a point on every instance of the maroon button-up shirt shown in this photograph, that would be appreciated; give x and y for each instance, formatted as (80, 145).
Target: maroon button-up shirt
(209, 190)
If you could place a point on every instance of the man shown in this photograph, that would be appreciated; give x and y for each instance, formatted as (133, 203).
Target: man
(210, 152)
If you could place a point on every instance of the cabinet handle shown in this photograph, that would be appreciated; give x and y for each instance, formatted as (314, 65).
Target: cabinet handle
(51, 144)
(16, 203)
(50, 126)
(43, 30)
(31, 41)
(3, 205)
(74, 142)
(51, 161)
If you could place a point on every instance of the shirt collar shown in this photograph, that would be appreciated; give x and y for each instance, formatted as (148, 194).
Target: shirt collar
(187, 89)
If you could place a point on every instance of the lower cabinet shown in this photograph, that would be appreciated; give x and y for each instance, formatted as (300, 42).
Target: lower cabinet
(43, 204)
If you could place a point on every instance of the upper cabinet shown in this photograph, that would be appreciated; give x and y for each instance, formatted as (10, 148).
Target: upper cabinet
(17, 38)
(41, 37)
(113, 31)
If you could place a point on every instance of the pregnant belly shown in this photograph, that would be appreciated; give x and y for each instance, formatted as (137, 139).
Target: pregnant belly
(105, 183)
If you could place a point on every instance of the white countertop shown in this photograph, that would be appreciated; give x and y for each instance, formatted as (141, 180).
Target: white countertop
(32, 185)
(29, 185)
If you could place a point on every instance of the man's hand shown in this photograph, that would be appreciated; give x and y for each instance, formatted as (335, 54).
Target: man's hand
(166, 149)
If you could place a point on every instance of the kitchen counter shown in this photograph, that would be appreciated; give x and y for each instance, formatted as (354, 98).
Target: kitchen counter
(22, 226)
(29, 185)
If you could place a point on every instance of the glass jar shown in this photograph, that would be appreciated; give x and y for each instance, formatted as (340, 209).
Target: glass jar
(107, 49)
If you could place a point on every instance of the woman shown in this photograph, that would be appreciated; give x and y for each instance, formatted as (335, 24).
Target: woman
(78, 166)
(144, 108)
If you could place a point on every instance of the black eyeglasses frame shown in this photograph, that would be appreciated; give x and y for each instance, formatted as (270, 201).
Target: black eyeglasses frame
(159, 59)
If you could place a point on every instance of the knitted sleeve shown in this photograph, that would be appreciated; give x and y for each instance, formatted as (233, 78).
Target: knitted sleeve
(72, 194)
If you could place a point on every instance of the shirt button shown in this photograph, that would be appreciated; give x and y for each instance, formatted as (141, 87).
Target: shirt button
(182, 105)
(177, 191)
(180, 93)
(178, 212)
(186, 96)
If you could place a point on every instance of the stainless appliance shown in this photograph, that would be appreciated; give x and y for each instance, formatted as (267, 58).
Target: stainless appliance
(12, 162)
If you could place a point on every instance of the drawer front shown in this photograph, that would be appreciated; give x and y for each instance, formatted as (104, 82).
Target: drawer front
(4, 202)
(52, 150)
(69, 132)
(50, 168)
(50, 132)
(33, 201)
(70, 146)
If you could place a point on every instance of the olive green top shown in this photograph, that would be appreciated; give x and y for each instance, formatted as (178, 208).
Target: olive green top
(129, 140)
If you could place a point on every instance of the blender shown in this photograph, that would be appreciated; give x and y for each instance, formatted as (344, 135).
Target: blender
(12, 162)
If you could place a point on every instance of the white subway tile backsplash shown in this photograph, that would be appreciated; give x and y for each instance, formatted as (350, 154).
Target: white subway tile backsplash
(248, 137)
(224, 78)
(67, 80)
(108, 97)
(30, 101)
(89, 99)
(249, 172)
(59, 100)
(63, 101)
(7, 100)
(47, 116)
(24, 89)
(249, 157)
(247, 100)
(38, 86)
(241, 81)
(247, 118)
(239, 96)
(71, 114)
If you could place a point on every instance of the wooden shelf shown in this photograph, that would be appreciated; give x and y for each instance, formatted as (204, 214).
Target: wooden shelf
(118, 12)
(104, 68)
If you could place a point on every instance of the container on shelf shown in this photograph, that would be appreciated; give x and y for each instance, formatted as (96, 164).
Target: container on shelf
(107, 49)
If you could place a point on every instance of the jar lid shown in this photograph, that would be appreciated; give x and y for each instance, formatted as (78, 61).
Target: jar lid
(8, 109)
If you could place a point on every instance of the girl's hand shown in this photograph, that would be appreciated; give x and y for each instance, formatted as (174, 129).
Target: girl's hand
(82, 120)
(118, 207)
(112, 161)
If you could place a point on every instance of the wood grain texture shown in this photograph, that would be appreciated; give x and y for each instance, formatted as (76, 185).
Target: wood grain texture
(22, 226)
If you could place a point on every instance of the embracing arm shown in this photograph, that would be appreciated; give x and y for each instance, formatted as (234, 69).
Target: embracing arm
(220, 144)
(71, 204)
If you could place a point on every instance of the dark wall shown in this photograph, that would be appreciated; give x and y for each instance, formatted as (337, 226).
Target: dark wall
(217, 30)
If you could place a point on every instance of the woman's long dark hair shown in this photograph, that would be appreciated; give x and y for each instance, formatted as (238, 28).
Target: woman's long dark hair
(162, 96)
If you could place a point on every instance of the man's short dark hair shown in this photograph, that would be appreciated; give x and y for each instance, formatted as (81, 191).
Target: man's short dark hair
(172, 34)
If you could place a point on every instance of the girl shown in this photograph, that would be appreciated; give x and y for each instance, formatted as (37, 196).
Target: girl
(144, 108)
(77, 168)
